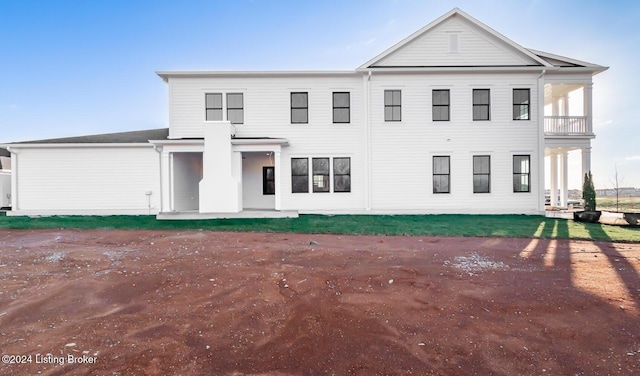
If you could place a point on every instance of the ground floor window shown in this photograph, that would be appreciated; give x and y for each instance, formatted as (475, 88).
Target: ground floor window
(342, 174)
(321, 174)
(299, 175)
(441, 174)
(481, 173)
(326, 172)
(268, 181)
(521, 173)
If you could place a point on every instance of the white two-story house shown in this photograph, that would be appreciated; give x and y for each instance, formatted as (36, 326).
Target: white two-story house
(456, 118)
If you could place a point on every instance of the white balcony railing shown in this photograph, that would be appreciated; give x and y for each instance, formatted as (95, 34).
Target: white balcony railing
(566, 126)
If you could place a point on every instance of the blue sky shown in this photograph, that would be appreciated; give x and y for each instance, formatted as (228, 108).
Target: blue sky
(82, 67)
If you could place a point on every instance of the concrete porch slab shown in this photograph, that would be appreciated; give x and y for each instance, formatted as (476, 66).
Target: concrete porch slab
(247, 213)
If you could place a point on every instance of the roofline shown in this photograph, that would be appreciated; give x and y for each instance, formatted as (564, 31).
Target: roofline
(165, 75)
(11, 147)
(460, 69)
(439, 20)
(594, 67)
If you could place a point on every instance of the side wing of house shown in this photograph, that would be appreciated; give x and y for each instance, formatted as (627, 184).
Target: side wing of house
(71, 177)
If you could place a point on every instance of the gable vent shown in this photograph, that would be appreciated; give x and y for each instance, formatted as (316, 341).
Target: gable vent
(453, 43)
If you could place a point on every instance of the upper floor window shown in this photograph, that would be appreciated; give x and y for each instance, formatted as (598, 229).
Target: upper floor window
(441, 174)
(440, 105)
(235, 108)
(521, 98)
(392, 105)
(214, 106)
(342, 174)
(341, 107)
(481, 173)
(521, 173)
(481, 104)
(300, 107)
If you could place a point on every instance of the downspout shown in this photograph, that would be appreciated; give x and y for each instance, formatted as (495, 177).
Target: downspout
(158, 149)
(368, 185)
(541, 143)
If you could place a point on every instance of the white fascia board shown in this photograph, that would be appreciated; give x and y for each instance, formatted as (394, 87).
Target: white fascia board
(11, 147)
(483, 69)
(165, 75)
(260, 141)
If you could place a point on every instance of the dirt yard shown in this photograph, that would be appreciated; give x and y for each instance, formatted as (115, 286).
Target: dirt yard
(108, 302)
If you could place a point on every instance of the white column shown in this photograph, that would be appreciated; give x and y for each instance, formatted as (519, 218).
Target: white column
(588, 105)
(564, 179)
(278, 171)
(586, 161)
(555, 106)
(166, 191)
(553, 171)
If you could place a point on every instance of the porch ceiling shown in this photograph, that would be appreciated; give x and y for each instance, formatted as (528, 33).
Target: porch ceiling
(558, 90)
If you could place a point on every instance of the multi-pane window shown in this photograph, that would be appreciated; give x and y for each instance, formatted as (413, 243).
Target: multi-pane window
(299, 175)
(441, 174)
(392, 105)
(521, 101)
(440, 105)
(521, 173)
(320, 174)
(300, 107)
(481, 104)
(214, 107)
(481, 173)
(341, 107)
(342, 174)
(268, 181)
(235, 108)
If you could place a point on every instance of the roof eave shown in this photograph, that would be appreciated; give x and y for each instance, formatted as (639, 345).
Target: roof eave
(165, 75)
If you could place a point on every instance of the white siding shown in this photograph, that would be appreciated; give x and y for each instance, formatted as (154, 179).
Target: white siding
(402, 151)
(267, 114)
(87, 180)
(475, 48)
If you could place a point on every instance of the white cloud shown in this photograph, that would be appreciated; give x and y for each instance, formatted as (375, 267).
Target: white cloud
(633, 158)
(602, 123)
(370, 41)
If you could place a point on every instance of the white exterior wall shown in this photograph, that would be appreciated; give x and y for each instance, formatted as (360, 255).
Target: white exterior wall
(187, 173)
(267, 113)
(5, 188)
(86, 180)
(252, 192)
(402, 151)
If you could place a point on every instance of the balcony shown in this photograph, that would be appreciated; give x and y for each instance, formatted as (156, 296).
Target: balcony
(567, 126)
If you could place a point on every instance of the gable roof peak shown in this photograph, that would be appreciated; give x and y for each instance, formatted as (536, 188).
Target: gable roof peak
(468, 18)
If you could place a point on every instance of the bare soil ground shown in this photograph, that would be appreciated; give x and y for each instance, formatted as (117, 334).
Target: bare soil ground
(208, 303)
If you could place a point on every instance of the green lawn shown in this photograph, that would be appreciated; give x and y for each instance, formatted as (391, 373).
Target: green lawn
(445, 225)
(625, 204)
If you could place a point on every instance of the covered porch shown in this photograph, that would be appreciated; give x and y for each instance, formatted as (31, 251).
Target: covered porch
(220, 176)
(568, 128)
